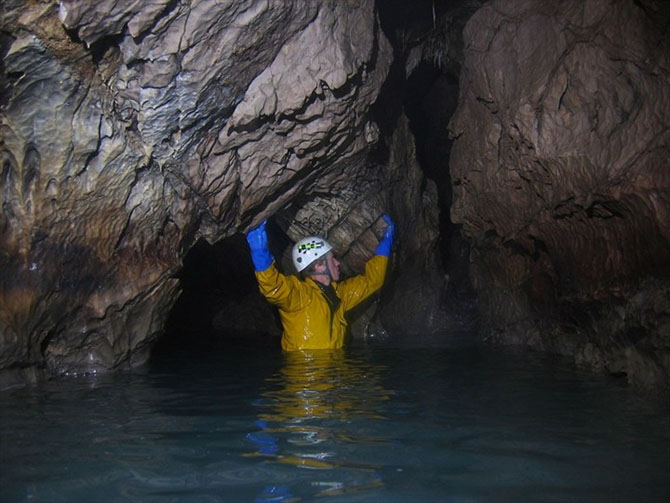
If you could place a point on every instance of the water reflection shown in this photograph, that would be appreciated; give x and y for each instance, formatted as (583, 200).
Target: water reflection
(324, 384)
(312, 408)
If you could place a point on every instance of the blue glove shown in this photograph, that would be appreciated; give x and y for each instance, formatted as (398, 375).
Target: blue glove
(258, 243)
(384, 246)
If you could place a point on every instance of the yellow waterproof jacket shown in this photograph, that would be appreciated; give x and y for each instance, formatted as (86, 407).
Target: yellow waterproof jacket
(304, 311)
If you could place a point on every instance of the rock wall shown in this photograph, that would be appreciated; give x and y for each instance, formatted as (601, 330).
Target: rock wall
(130, 131)
(561, 178)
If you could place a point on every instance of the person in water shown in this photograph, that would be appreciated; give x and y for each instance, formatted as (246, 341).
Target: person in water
(312, 307)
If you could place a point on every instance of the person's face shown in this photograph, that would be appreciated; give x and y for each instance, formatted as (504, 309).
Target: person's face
(334, 266)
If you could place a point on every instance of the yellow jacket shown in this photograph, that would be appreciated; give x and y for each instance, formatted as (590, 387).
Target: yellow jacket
(305, 313)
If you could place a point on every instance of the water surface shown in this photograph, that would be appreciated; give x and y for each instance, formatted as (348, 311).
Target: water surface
(365, 425)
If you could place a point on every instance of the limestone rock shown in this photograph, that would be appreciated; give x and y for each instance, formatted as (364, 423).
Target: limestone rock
(560, 168)
(130, 131)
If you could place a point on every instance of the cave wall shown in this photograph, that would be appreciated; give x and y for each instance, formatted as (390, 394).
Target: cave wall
(131, 131)
(561, 179)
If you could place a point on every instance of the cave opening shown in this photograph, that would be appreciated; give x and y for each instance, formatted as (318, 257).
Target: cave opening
(430, 100)
(220, 305)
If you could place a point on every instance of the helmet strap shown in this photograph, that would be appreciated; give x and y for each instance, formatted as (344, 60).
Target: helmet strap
(327, 272)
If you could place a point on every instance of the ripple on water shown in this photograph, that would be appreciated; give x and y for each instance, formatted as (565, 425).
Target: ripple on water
(367, 425)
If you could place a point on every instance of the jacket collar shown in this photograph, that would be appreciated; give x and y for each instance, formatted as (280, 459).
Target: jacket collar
(313, 284)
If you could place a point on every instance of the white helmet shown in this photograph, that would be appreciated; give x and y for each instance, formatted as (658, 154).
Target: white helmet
(307, 250)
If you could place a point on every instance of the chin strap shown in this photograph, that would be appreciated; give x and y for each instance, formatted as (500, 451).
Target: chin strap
(330, 273)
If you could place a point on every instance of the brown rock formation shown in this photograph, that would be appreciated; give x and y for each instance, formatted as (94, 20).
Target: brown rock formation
(561, 178)
(130, 132)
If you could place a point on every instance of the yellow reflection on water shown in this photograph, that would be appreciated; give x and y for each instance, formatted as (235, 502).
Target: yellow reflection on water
(318, 401)
(324, 384)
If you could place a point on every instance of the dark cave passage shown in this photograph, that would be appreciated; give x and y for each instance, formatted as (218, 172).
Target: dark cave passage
(425, 88)
(220, 304)
(430, 100)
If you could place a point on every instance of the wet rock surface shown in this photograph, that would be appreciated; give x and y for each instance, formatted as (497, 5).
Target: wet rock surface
(561, 180)
(130, 132)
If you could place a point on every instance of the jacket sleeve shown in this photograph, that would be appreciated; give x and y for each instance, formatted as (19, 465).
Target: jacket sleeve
(285, 292)
(355, 290)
